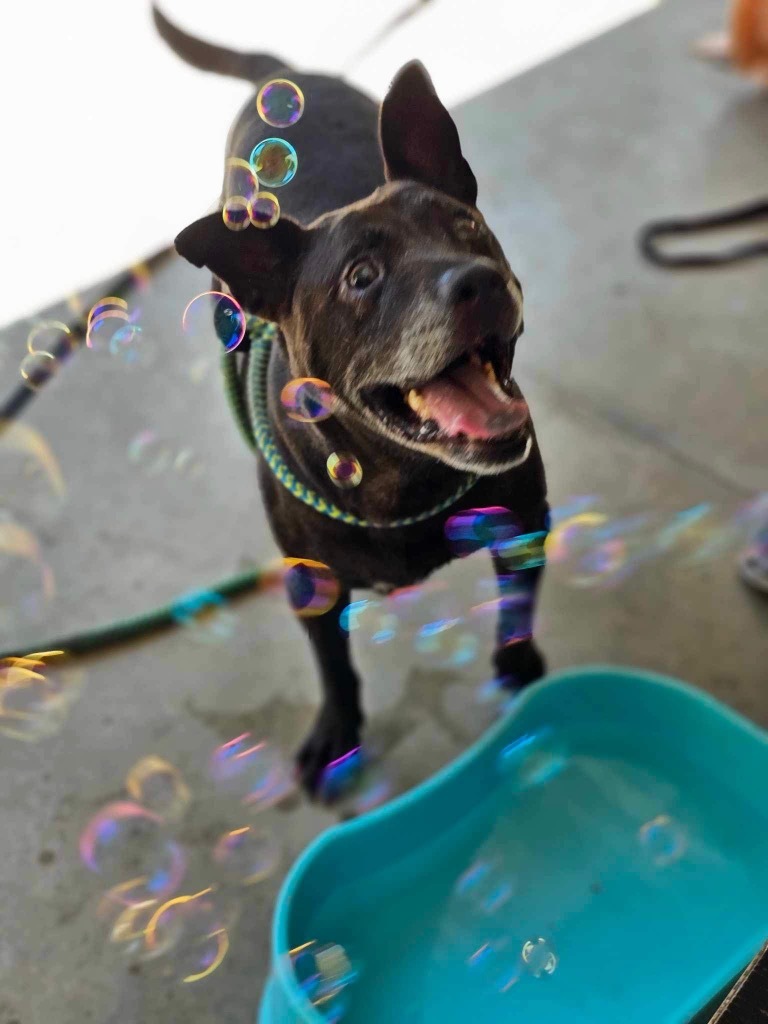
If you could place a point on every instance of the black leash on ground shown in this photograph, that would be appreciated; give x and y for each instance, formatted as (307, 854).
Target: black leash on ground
(656, 231)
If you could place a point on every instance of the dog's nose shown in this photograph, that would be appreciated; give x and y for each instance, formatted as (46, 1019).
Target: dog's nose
(470, 282)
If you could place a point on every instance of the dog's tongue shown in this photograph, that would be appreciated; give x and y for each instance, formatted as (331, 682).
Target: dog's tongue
(465, 401)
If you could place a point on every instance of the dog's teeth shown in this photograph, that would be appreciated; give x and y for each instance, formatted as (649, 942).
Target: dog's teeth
(416, 401)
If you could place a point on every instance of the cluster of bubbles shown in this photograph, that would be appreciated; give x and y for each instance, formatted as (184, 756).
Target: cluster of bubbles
(48, 344)
(310, 400)
(273, 162)
(36, 693)
(133, 845)
(326, 976)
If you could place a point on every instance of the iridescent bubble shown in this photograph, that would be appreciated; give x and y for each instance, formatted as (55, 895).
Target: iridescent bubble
(236, 213)
(159, 787)
(280, 103)
(247, 855)
(28, 581)
(324, 973)
(217, 313)
(129, 346)
(205, 614)
(127, 844)
(539, 957)
(104, 320)
(339, 775)
(127, 923)
(311, 586)
(446, 643)
(51, 336)
(587, 546)
(265, 210)
(252, 770)
(526, 551)
(274, 162)
(533, 759)
(371, 619)
(239, 180)
(36, 368)
(151, 452)
(190, 933)
(344, 470)
(35, 698)
(26, 453)
(486, 886)
(307, 399)
(664, 840)
(478, 528)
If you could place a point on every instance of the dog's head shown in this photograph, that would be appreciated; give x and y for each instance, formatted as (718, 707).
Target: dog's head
(403, 302)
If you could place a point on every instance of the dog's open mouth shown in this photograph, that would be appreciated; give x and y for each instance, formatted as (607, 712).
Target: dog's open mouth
(473, 399)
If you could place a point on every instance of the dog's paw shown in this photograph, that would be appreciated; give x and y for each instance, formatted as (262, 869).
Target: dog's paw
(517, 665)
(331, 747)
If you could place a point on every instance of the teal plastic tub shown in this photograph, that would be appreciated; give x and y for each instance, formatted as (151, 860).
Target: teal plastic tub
(599, 856)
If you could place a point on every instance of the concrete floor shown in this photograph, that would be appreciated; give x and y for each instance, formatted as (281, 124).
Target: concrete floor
(649, 390)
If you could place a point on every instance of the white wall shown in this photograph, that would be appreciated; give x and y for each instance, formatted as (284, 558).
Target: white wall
(110, 144)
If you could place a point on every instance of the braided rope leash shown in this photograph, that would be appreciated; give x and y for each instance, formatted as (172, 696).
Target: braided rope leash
(249, 405)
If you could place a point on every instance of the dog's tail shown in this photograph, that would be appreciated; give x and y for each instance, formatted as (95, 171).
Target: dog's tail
(207, 57)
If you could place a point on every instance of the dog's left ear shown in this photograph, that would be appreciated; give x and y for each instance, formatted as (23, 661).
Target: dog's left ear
(419, 139)
(260, 265)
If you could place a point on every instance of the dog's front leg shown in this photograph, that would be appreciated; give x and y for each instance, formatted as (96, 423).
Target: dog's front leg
(336, 731)
(517, 660)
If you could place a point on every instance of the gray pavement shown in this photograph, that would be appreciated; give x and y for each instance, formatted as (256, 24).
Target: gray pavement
(649, 390)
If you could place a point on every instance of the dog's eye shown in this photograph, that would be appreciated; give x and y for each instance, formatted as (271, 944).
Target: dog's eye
(362, 274)
(466, 227)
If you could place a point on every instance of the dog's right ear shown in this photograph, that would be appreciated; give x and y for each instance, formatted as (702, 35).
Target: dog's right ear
(419, 139)
(260, 265)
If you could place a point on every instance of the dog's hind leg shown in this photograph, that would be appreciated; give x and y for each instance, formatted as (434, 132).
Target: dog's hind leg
(517, 660)
(336, 731)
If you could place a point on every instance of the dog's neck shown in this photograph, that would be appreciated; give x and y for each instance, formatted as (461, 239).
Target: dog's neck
(397, 482)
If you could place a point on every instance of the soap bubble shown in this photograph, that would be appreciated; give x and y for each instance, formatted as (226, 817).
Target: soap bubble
(477, 528)
(28, 581)
(371, 619)
(155, 455)
(35, 698)
(274, 162)
(533, 759)
(446, 643)
(190, 933)
(32, 457)
(239, 180)
(339, 775)
(539, 957)
(51, 336)
(127, 344)
(125, 843)
(324, 974)
(307, 399)
(344, 469)
(217, 313)
(526, 551)
(247, 855)
(159, 787)
(251, 770)
(486, 886)
(105, 319)
(236, 213)
(205, 614)
(280, 103)
(36, 368)
(265, 210)
(311, 586)
(663, 839)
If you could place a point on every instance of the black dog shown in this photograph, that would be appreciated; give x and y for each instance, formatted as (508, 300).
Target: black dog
(386, 282)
